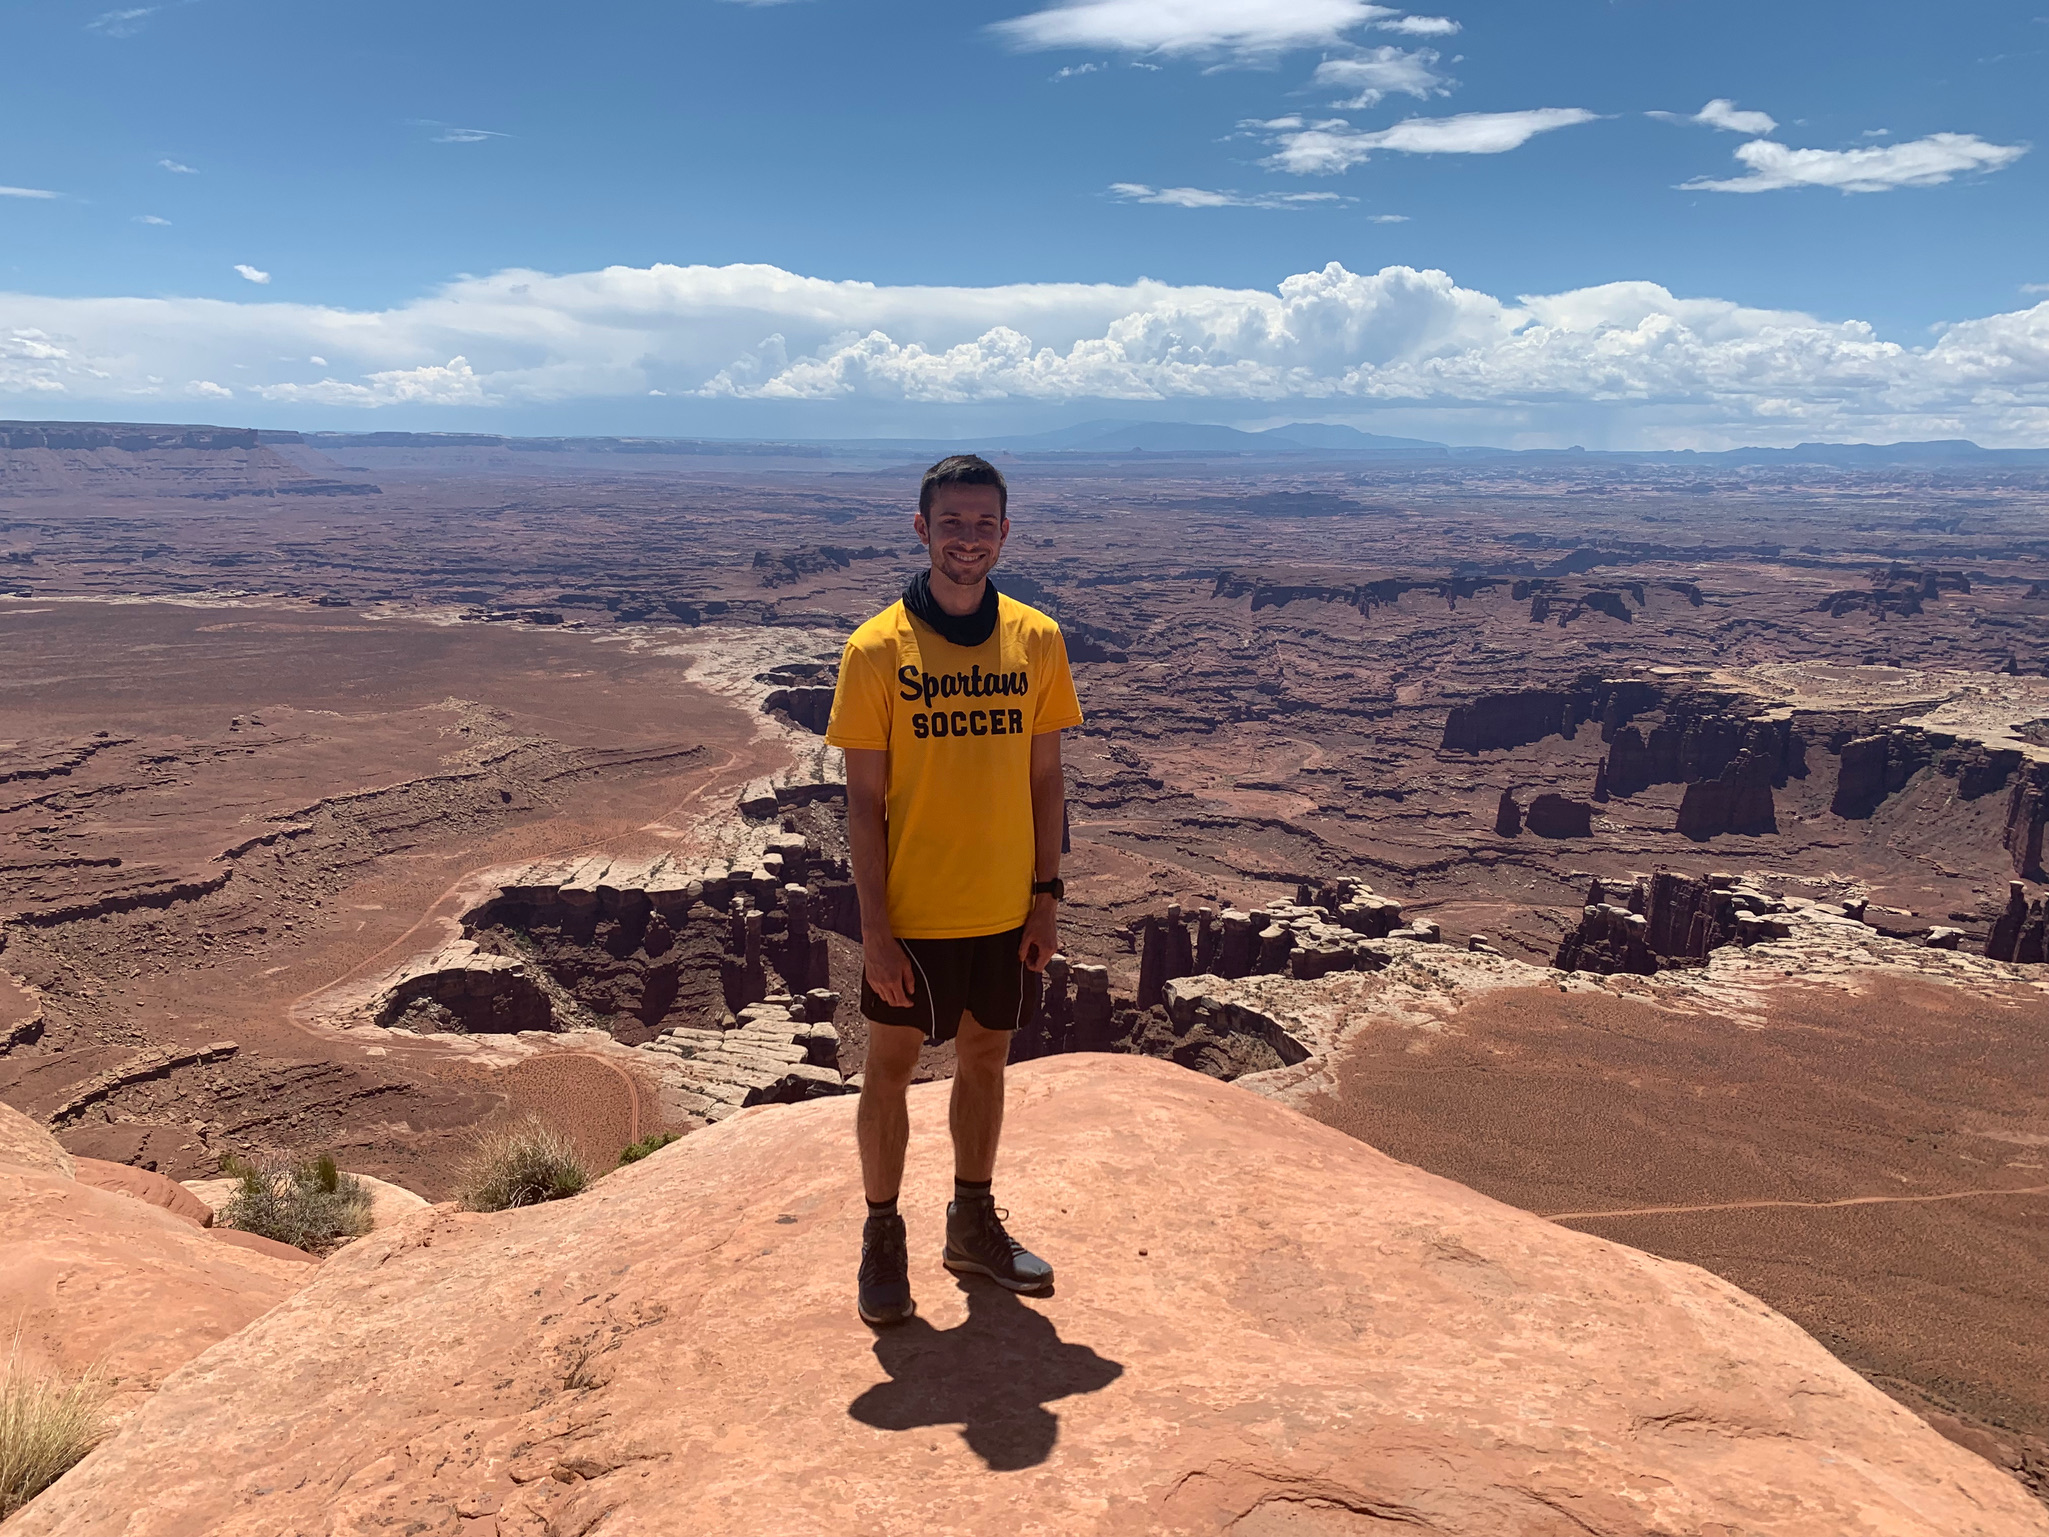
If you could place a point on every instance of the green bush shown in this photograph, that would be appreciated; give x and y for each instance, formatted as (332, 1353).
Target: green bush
(522, 1164)
(45, 1428)
(633, 1152)
(311, 1206)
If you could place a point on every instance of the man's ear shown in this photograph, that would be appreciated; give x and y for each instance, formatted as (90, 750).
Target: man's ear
(922, 529)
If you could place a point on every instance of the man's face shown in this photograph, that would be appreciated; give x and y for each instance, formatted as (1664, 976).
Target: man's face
(965, 532)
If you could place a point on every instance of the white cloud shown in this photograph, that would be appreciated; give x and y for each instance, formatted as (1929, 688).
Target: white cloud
(1380, 72)
(150, 218)
(1388, 218)
(123, 23)
(1192, 26)
(317, 361)
(253, 274)
(1618, 360)
(182, 170)
(2035, 288)
(1725, 114)
(454, 135)
(1071, 70)
(1918, 163)
(36, 192)
(452, 384)
(1324, 148)
(1420, 26)
(1200, 197)
(206, 389)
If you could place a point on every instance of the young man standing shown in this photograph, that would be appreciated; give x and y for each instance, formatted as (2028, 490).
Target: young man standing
(950, 707)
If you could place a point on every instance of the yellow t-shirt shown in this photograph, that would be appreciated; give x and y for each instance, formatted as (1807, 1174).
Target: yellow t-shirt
(957, 723)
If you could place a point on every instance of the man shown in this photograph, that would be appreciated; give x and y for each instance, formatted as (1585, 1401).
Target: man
(950, 707)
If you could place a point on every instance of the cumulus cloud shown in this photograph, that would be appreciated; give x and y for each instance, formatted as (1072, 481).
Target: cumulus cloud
(1918, 163)
(253, 274)
(1621, 354)
(1376, 73)
(1202, 197)
(1192, 26)
(206, 389)
(37, 192)
(1323, 148)
(1724, 114)
(454, 383)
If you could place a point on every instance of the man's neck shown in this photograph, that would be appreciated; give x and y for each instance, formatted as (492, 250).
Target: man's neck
(957, 600)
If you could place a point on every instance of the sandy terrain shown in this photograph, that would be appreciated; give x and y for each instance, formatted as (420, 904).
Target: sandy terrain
(1830, 1161)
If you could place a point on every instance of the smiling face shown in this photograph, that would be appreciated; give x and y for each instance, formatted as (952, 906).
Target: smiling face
(964, 531)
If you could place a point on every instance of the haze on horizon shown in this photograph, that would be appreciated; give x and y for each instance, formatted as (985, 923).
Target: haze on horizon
(1625, 226)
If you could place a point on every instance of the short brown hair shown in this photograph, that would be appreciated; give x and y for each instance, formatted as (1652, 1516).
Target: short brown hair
(962, 470)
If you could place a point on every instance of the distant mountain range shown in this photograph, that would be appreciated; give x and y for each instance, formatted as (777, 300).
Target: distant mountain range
(1093, 440)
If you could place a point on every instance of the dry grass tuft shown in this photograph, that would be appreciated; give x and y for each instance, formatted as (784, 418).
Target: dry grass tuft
(45, 1428)
(522, 1164)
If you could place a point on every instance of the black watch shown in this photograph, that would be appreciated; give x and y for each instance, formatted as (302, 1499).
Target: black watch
(1055, 888)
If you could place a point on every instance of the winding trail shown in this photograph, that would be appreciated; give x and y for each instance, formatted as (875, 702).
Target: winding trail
(1853, 1200)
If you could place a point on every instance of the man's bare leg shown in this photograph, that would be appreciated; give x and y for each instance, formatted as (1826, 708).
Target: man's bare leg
(975, 1113)
(976, 1240)
(882, 1125)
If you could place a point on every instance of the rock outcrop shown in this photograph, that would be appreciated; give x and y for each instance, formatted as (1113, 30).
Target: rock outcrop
(145, 1185)
(1325, 1340)
(640, 945)
(2021, 932)
(1508, 816)
(782, 1050)
(1554, 816)
(27, 1145)
(1671, 919)
(96, 1275)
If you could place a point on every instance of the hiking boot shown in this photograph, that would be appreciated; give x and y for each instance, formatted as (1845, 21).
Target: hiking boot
(976, 1244)
(885, 1273)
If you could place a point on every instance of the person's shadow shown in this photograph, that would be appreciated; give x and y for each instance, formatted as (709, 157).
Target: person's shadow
(992, 1376)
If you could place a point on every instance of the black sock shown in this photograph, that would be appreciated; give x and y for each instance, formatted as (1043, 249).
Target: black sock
(971, 1189)
(882, 1208)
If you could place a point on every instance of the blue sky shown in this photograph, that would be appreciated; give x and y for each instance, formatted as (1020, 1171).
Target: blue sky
(360, 159)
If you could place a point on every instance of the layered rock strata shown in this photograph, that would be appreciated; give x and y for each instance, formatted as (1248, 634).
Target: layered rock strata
(781, 1051)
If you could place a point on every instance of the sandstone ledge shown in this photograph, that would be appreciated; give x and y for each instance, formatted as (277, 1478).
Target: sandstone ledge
(1262, 1325)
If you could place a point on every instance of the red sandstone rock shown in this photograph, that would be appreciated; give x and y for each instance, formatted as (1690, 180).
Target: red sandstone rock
(145, 1185)
(1261, 1325)
(95, 1275)
(256, 1243)
(26, 1145)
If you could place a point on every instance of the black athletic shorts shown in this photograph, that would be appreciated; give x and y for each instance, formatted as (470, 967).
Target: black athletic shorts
(982, 975)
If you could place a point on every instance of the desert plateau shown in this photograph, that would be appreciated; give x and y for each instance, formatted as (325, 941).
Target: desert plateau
(1563, 937)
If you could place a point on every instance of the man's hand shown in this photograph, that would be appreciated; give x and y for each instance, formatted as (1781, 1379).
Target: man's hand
(1041, 940)
(889, 968)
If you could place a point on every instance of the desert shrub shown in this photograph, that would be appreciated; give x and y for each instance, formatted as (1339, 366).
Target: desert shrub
(521, 1164)
(45, 1428)
(633, 1152)
(311, 1206)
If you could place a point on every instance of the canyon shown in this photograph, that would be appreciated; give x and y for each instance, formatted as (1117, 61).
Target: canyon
(1607, 836)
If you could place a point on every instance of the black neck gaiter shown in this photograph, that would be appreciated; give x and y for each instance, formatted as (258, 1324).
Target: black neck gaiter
(960, 630)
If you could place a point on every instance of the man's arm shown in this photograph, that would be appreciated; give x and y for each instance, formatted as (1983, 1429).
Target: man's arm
(1049, 807)
(889, 968)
